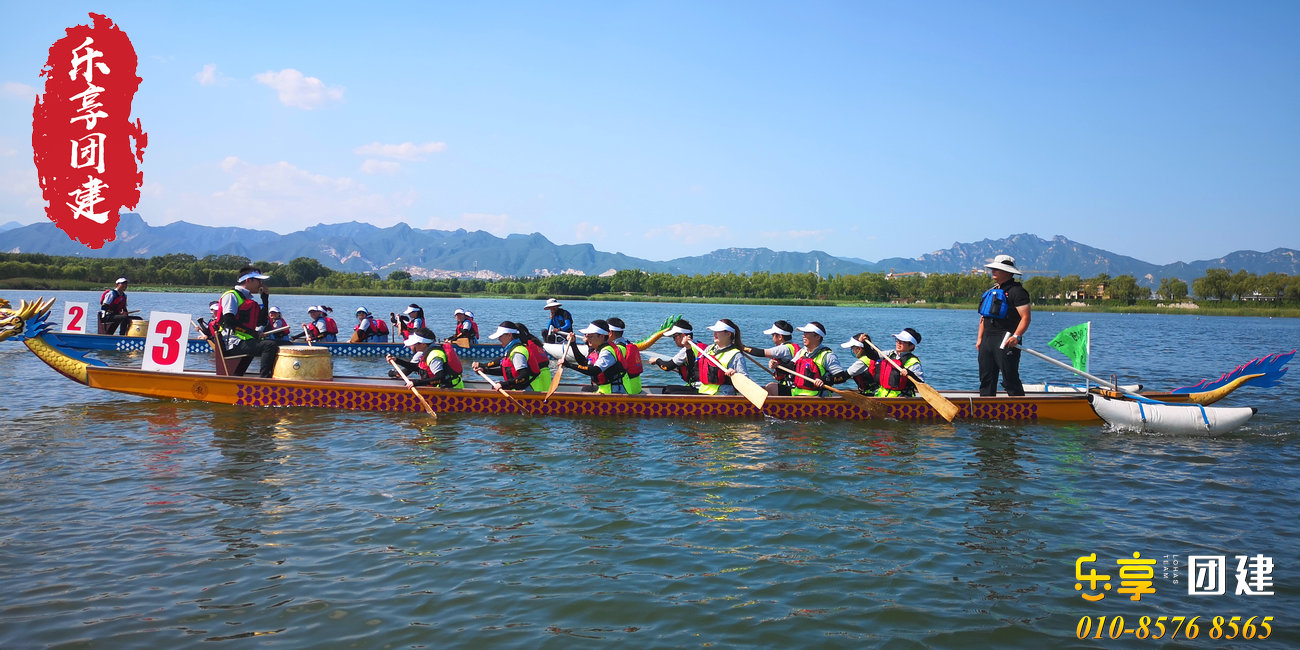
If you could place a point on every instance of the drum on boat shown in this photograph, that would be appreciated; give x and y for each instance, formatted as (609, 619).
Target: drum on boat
(303, 362)
(138, 328)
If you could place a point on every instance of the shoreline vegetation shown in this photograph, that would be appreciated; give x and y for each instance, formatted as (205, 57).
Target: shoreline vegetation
(1218, 293)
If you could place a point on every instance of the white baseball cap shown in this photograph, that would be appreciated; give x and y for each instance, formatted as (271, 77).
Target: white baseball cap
(851, 343)
(121, 281)
(594, 329)
(253, 275)
(722, 327)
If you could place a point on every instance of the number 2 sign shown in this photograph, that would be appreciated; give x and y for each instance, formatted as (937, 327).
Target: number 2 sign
(164, 345)
(75, 315)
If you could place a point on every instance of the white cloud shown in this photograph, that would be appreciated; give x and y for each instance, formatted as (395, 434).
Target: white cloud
(406, 151)
(690, 233)
(15, 89)
(286, 198)
(497, 224)
(300, 91)
(372, 166)
(787, 235)
(588, 231)
(209, 76)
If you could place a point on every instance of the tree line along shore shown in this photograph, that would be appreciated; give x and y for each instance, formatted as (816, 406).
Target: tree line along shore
(1218, 292)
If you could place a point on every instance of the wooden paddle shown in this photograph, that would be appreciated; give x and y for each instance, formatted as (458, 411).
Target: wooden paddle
(876, 408)
(198, 329)
(501, 390)
(947, 410)
(423, 402)
(756, 394)
(555, 379)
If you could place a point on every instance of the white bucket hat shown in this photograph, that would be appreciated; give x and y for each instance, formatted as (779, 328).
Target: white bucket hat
(551, 302)
(1004, 263)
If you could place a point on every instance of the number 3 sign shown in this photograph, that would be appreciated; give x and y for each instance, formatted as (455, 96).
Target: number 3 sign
(164, 346)
(74, 317)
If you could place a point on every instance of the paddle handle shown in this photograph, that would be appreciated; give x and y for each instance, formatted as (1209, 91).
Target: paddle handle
(491, 382)
(703, 352)
(428, 408)
(1114, 385)
(892, 362)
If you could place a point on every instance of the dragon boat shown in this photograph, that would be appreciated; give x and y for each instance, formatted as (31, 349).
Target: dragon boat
(28, 325)
(116, 343)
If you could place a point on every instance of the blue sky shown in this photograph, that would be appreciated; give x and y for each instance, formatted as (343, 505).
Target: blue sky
(1163, 130)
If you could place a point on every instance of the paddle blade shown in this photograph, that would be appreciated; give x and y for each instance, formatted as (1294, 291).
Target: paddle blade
(752, 391)
(555, 381)
(947, 410)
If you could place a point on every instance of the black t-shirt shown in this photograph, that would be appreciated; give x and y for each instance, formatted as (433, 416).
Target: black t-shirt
(1016, 297)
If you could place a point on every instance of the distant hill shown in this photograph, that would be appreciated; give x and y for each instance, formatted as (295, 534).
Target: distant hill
(10, 226)
(361, 247)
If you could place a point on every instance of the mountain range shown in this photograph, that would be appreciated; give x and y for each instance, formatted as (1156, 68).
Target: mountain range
(360, 247)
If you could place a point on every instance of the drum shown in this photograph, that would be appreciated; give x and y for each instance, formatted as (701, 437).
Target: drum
(303, 362)
(138, 328)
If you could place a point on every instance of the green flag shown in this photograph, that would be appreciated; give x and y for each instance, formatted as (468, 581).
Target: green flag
(1074, 343)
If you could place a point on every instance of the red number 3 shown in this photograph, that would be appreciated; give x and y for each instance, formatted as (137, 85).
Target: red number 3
(170, 350)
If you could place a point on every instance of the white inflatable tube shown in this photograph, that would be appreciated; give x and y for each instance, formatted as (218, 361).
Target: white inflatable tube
(1184, 419)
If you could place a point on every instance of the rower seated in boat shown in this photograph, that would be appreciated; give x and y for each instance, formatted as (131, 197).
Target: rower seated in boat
(601, 364)
(322, 327)
(525, 366)
(684, 363)
(433, 364)
(721, 360)
(818, 364)
(783, 351)
(892, 382)
(859, 369)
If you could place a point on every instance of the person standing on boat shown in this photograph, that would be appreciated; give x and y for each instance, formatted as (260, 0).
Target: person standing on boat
(859, 369)
(525, 366)
(433, 364)
(891, 382)
(726, 351)
(1004, 309)
(321, 327)
(560, 326)
(684, 362)
(818, 363)
(369, 328)
(411, 319)
(276, 322)
(466, 329)
(601, 364)
(243, 320)
(782, 352)
(112, 310)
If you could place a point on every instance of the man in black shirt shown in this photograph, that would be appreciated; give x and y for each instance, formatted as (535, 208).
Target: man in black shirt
(1004, 310)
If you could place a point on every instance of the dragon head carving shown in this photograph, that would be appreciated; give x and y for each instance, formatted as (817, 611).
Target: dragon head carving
(28, 321)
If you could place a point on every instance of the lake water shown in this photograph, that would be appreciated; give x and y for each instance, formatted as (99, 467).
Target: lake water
(130, 522)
